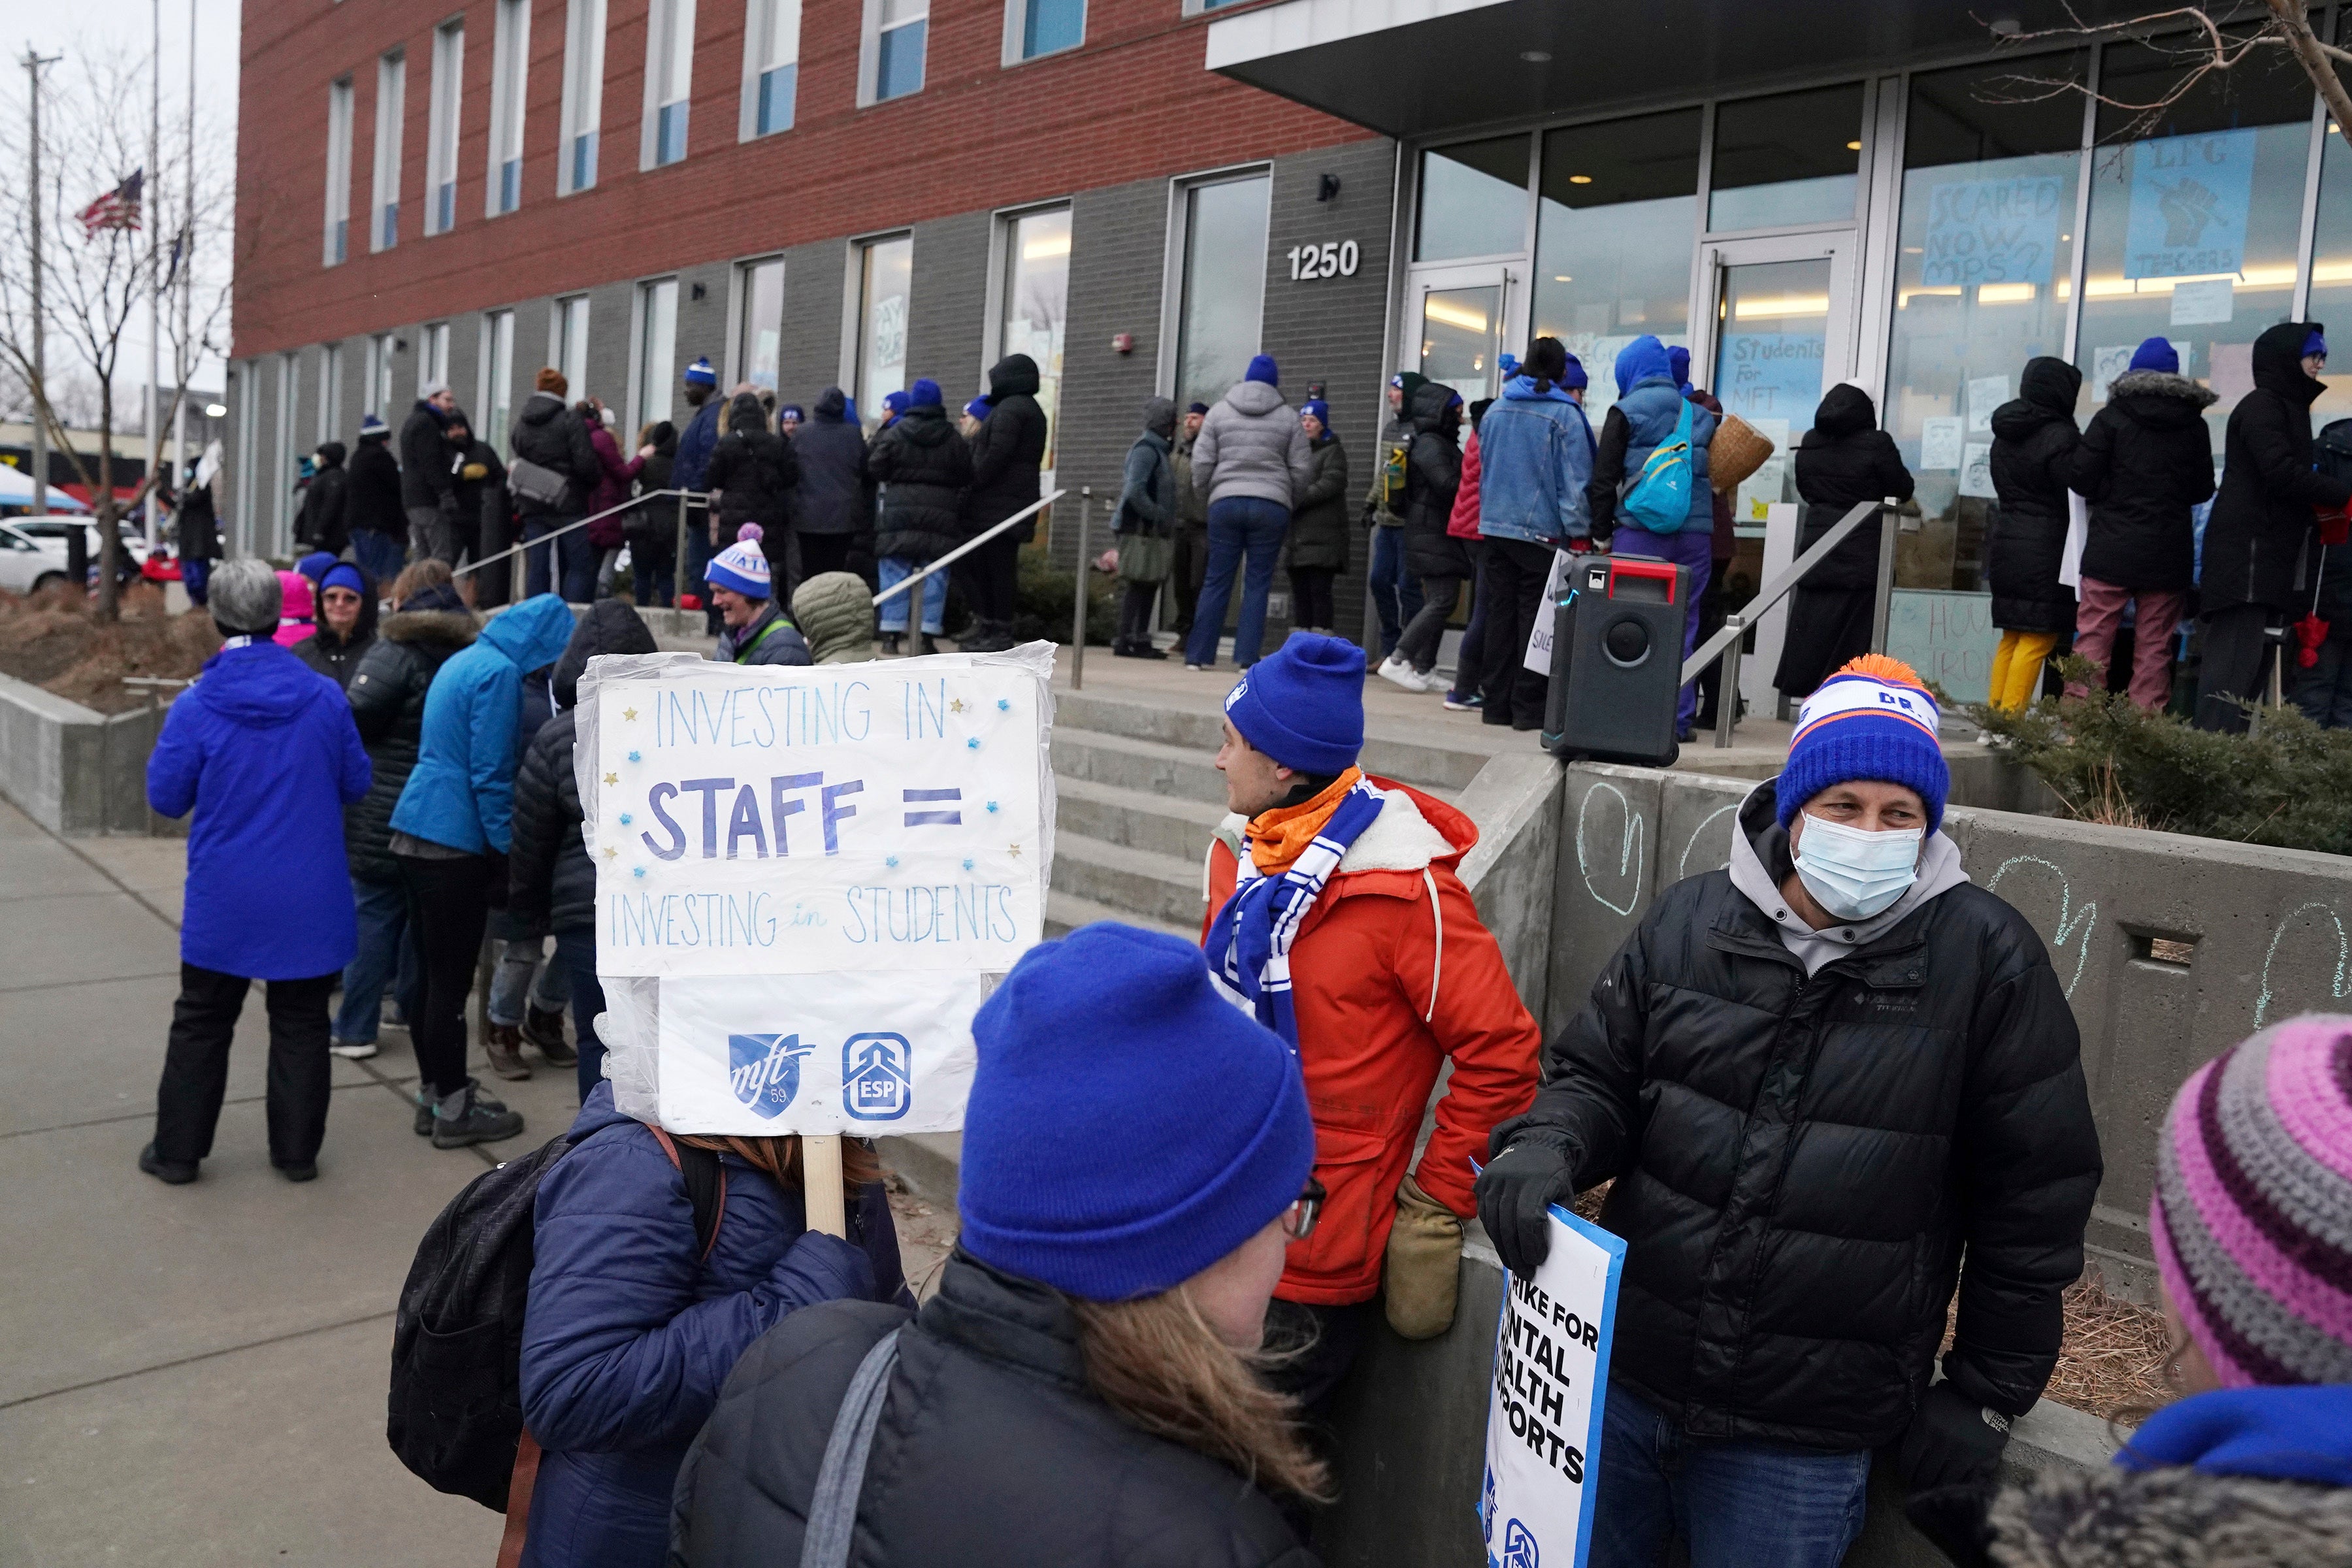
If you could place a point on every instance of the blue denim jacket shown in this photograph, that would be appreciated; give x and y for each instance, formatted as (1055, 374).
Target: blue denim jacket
(1535, 457)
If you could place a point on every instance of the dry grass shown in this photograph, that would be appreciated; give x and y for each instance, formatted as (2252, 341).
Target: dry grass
(60, 645)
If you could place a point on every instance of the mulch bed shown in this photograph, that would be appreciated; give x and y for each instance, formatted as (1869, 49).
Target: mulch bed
(64, 648)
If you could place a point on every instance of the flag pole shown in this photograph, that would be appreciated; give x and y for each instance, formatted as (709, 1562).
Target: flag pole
(185, 360)
(33, 64)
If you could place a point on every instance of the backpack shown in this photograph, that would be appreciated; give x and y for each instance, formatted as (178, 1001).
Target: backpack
(1659, 497)
(456, 1408)
(1392, 475)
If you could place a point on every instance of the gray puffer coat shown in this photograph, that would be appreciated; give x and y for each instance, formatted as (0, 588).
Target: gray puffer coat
(1252, 444)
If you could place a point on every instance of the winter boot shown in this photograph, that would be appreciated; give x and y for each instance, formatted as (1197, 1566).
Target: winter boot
(890, 641)
(504, 1048)
(543, 1027)
(171, 1173)
(926, 646)
(469, 1117)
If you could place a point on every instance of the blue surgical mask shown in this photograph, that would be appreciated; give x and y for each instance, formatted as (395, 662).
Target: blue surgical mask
(1853, 874)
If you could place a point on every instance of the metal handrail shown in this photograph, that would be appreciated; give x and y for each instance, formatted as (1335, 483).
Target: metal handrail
(967, 546)
(630, 505)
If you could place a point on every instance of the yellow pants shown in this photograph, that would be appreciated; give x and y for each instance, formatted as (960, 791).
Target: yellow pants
(2017, 667)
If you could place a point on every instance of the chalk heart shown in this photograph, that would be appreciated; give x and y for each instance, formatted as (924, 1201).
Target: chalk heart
(2040, 890)
(1610, 847)
(2306, 967)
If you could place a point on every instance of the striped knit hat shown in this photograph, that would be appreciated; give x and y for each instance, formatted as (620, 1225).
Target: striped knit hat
(1873, 720)
(741, 566)
(2252, 1215)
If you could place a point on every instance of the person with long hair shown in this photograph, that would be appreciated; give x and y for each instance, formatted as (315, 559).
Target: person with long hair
(1086, 1386)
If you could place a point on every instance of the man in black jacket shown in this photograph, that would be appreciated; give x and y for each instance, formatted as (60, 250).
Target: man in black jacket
(835, 502)
(2259, 553)
(477, 487)
(426, 494)
(325, 523)
(1817, 1081)
(1006, 456)
(372, 504)
(550, 436)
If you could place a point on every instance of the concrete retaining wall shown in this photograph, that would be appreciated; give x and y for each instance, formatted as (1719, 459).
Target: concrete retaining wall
(75, 771)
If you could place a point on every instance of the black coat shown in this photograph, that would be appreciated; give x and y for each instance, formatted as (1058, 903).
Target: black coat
(477, 499)
(835, 495)
(754, 471)
(552, 885)
(652, 525)
(991, 1452)
(2144, 465)
(1798, 1162)
(1845, 460)
(1008, 449)
(424, 457)
(925, 469)
(336, 657)
(2255, 541)
(1433, 477)
(325, 521)
(548, 433)
(199, 525)
(2033, 442)
(372, 501)
(387, 694)
(1320, 525)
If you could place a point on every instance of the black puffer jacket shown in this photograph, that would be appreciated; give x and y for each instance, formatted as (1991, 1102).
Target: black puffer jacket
(548, 433)
(925, 469)
(1320, 528)
(835, 495)
(338, 658)
(325, 523)
(991, 1453)
(1844, 460)
(2033, 442)
(373, 499)
(2255, 543)
(552, 885)
(754, 471)
(1008, 449)
(424, 457)
(1433, 477)
(1800, 1161)
(2145, 463)
(387, 693)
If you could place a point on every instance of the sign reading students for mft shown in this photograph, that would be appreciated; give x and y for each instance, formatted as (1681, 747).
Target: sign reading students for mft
(1551, 1380)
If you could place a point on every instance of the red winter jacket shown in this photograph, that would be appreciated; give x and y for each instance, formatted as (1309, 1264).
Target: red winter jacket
(1463, 523)
(1393, 973)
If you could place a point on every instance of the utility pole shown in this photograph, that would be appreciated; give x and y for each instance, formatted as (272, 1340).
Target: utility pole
(151, 205)
(41, 387)
(186, 358)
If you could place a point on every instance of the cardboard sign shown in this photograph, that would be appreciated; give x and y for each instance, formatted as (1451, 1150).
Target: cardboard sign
(1550, 1387)
(1994, 231)
(2189, 198)
(1947, 637)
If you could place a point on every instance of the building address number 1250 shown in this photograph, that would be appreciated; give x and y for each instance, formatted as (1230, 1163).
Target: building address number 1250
(1308, 262)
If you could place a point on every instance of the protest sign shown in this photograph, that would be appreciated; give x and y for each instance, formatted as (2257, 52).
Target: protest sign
(1994, 231)
(1771, 375)
(1551, 1385)
(2190, 201)
(1538, 652)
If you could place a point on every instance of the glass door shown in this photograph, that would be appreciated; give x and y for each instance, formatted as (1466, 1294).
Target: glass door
(1463, 320)
(1779, 327)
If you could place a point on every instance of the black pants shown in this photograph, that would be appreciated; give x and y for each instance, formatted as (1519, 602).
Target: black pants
(448, 908)
(1134, 615)
(1827, 628)
(195, 1064)
(1426, 631)
(2237, 665)
(1310, 597)
(1516, 570)
(1314, 1348)
(1190, 570)
(824, 553)
(990, 577)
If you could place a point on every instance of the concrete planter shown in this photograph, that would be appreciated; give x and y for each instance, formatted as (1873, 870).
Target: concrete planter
(74, 771)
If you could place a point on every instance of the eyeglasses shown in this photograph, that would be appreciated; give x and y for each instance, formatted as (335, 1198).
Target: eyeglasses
(1298, 1219)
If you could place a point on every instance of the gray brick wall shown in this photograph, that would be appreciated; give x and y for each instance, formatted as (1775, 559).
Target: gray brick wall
(808, 356)
(1118, 245)
(948, 305)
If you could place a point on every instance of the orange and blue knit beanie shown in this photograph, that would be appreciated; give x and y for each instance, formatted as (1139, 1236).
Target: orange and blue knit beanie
(1875, 719)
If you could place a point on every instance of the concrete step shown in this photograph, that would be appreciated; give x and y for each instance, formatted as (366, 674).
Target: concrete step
(1393, 748)
(1138, 819)
(1158, 888)
(1153, 767)
(1065, 913)
(1139, 721)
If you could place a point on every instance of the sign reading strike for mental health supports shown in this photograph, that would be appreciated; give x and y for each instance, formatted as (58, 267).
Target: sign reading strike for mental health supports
(1551, 1380)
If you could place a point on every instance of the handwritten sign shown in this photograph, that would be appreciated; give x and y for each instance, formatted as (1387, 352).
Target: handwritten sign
(2190, 196)
(1771, 375)
(1947, 637)
(1993, 231)
(1550, 1387)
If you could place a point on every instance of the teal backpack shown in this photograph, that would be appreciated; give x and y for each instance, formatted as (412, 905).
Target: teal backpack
(1659, 497)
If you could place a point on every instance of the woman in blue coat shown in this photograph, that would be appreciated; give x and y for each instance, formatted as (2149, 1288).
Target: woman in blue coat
(632, 1329)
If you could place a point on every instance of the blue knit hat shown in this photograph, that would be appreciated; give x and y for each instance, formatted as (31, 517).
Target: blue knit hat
(977, 408)
(699, 374)
(373, 425)
(1303, 705)
(1317, 407)
(924, 394)
(894, 402)
(2156, 354)
(1872, 720)
(1575, 375)
(1261, 368)
(793, 412)
(343, 574)
(315, 565)
(741, 566)
(1128, 1126)
(2314, 344)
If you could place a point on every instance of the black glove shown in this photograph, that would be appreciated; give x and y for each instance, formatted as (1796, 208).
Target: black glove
(494, 888)
(1952, 1441)
(1516, 1189)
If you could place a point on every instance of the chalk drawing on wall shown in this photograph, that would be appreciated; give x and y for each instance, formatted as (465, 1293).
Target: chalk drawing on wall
(1683, 867)
(2336, 986)
(2071, 927)
(1628, 849)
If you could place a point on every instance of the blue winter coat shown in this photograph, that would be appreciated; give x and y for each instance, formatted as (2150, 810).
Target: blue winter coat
(694, 444)
(1535, 457)
(628, 1336)
(263, 750)
(461, 791)
(1652, 403)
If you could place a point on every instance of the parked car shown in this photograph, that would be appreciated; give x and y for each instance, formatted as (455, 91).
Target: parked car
(33, 550)
(59, 528)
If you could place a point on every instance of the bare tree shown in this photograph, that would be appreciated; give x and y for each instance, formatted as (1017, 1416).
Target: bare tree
(96, 281)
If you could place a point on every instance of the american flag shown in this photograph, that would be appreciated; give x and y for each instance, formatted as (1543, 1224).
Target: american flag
(119, 209)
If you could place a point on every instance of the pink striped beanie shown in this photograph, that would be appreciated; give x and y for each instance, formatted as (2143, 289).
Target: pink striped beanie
(2252, 1217)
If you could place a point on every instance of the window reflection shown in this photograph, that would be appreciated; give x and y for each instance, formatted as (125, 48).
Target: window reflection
(1793, 159)
(1474, 199)
(1224, 224)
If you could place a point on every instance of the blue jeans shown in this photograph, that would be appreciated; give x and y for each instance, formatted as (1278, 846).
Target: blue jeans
(194, 577)
(380, 555)
(511, 986)
(934, 592)
(1693, 548)
(1238, 525)
(1396, 592)
(575, 562)
(1739, 1504)
(384, 955)
(576, 951)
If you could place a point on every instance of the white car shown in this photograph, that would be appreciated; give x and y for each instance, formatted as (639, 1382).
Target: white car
(33, 550)
(58, 528)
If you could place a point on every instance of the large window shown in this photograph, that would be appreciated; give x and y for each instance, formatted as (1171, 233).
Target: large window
(653, 363)
(886, 272)
(330, 392)
(432, 356)
(510, 80)
(583, 94)
(567, 342)
(1221, 298)
(379, 351)
(1035, 27)
(391, 113)
(1793, 159)
(1613, 231)
(771, 55)
(497, 398)
(669, 82)
(760, 327)
(1036, 303)
(441, 128)
(339, 172)
(1474, 200)
(895, 30)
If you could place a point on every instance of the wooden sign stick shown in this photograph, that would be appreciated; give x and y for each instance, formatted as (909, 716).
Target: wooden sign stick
(821, 1183)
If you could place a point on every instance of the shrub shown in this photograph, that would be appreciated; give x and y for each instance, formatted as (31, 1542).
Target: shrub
(1042, 605)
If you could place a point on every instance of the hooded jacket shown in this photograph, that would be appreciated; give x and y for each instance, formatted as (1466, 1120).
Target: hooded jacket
(1535, 454)
(424, 457)
(461, 791)
(196, 526)
(1648, 409)
(1844, 460)
(1393, 976)
(1008, 449)
(991, 1452)
(1805, 1129)
(1318, 529)
(263, 751)
(1432, 478)
(771, 638)
(629, 1334)
(1382, 504)
(611, 488)
(324, 524)
(551, 886)
(372, 498)
(387, 696)
(2255, 541)
(834, 612)
(835, 495)
(754, 470)
(548, 433)
(1147, 491)
(2033, 442)
(1251, 444)
(925, 467)
(2144, 465)
(296, 606)
(338, 658)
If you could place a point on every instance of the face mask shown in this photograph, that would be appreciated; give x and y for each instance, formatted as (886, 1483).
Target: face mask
(1853, 874)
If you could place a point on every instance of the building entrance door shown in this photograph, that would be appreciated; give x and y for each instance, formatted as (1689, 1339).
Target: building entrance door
(1780, 328)
(1461, 318)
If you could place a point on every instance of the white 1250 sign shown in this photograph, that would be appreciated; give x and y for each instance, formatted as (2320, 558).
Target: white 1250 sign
(1308, 262)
